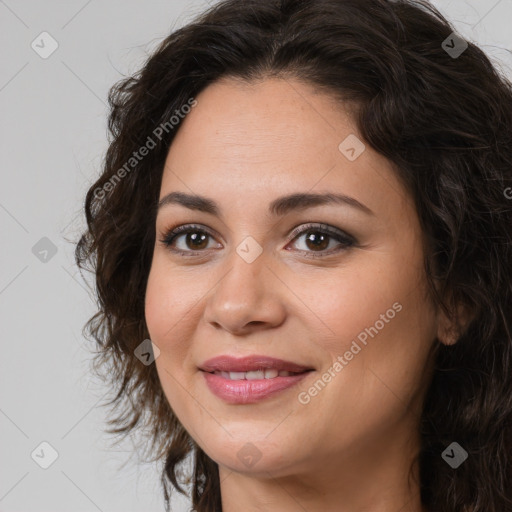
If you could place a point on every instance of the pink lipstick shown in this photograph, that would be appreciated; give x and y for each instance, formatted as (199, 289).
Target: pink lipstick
(250, 379)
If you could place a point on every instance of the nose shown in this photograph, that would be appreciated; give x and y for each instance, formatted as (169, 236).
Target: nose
(248, 297)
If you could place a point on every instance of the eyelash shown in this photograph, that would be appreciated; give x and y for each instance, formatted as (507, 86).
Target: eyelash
(345, 240)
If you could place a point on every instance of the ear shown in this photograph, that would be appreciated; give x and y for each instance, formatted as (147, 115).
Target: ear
(450, 328)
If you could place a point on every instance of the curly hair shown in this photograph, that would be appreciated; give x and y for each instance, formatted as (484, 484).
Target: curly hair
(445, 123)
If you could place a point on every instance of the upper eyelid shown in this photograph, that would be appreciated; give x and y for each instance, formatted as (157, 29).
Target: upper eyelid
(298, 230)
(320, 226)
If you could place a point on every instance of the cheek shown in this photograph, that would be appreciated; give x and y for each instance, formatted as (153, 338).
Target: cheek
(169, 309)
(379, 317)
(168, 312)
(169, 300)
(384, 330)
(344, 303)
(159, 304)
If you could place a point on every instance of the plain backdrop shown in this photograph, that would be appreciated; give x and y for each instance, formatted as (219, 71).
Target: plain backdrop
(53, 133)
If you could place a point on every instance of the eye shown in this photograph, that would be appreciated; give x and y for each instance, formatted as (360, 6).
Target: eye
(318, 238)
(195, 237)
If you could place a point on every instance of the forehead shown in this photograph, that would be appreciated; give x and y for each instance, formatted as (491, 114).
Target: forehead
(273, 137)
(251, 116)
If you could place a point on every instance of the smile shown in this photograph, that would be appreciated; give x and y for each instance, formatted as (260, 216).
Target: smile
(268, 373)
(250, 387)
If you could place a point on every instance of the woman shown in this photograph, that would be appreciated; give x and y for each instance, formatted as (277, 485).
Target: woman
(303, 254)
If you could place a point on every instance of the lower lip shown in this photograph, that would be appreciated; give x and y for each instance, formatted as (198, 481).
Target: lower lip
(249, 391)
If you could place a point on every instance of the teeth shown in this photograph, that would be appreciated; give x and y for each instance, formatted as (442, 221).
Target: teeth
(268, 373)
(256, 374)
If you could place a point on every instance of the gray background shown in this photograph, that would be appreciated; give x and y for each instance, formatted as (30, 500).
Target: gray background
(53, 132)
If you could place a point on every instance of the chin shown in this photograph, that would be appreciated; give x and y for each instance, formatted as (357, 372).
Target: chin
(244, 454)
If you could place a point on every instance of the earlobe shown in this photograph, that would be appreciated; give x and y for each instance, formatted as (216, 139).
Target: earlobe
(446, 333)
(449, 330)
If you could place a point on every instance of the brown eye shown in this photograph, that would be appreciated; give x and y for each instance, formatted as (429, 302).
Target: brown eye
(192, 238)
(195, 241)
(318, 239)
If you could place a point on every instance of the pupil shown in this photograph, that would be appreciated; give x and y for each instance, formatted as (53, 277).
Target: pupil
(319, 243)
(195, 238)
(316, 239)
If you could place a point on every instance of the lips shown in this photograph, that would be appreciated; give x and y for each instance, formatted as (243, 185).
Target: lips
(251, 364)
(247, 380)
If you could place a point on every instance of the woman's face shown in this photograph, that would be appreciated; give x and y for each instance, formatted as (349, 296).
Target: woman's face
(349, 303)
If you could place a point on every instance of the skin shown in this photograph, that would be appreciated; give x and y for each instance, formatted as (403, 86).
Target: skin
(351, 447)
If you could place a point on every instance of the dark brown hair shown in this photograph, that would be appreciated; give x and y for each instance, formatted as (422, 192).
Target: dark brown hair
(443, 120)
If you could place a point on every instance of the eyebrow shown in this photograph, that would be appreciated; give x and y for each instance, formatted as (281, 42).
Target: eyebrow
(278, 207)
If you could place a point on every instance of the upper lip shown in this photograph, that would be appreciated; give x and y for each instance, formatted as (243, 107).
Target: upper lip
(227, 363)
